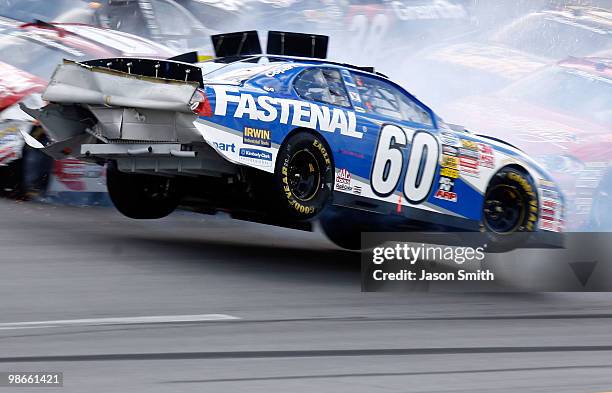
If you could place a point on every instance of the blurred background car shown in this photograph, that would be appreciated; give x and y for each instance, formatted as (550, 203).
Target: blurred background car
(29, 53)
(163, 21)
(562, 115)
(486, 61)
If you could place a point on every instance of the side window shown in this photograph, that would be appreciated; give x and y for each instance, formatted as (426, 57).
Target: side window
(322, 85)
(384, 99)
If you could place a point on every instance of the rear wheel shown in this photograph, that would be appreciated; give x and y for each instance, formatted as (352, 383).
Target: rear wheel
(303, 178)
(341, 232)
(142, 196)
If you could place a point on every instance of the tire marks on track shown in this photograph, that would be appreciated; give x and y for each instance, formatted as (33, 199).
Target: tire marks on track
(299, 353)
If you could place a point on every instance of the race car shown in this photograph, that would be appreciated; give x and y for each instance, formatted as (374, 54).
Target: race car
(29, 54)
(489, 61)
(163, 21)
(284, 138)
(561, 116)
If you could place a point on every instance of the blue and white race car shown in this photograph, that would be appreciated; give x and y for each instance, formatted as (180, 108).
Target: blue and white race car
(284, 138)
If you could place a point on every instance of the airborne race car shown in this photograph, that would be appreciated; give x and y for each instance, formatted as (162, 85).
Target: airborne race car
(283, 138)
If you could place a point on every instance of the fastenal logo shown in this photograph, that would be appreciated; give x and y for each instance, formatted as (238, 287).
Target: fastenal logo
(297, 113)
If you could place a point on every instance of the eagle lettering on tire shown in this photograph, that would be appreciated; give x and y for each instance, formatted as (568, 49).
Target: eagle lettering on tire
(304, 176)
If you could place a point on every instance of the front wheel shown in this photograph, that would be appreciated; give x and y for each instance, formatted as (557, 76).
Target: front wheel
(303, 179)
(510, 210)
(142, 196)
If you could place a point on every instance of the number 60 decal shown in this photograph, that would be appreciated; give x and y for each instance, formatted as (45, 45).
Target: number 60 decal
(389, 163)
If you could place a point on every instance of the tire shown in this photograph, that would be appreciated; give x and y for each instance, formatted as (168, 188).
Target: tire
(142, 196)
(36, 172)
(601, 212)
(342, 235)
(510, 208)
(303, 177)
(11, 179)
(28, 176)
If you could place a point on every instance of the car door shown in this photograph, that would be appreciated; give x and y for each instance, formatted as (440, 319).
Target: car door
(403, 151)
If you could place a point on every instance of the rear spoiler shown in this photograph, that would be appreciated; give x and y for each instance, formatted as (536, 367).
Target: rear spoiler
(283, 43)
(152, 68)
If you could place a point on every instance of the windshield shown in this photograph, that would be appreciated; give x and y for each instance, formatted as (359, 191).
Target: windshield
(568, 91)
(553, 36)
(51, 10)
(19, 52)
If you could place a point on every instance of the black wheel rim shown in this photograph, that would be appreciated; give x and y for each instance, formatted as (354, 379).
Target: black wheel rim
(303, 175)
(504, 209)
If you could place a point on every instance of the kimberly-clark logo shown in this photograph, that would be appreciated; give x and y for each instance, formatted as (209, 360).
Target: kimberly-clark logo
(256, 157)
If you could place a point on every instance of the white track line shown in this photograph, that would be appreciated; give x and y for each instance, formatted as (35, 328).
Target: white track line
(117, 321)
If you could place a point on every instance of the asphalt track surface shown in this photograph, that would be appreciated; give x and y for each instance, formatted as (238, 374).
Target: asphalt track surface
(207, 304)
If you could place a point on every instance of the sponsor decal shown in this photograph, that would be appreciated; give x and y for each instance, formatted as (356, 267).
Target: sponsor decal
(469, 158)
(469, 166)
(546, 193)
(343, 180)
(449, 150)
(256, 157)
(285, 111)
(446, 190)
(449, 161)
(487, 161)
(280, 70)
(9, 134)
(351, 153)
(487, 157)
(468, 144)
(449, 172)
(256, 136)
(551, 210)
(449, 138)
(468, 153)
(226, 147)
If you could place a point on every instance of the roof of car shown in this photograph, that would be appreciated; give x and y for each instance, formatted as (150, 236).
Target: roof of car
(595, 66)
(304, 60)
(588, 17)
(92, 40)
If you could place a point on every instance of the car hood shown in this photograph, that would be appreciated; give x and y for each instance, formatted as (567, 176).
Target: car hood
(534, 129)
(15, 84)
